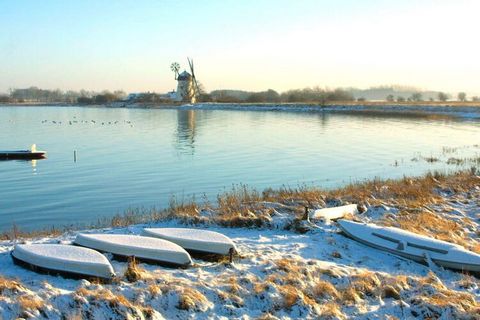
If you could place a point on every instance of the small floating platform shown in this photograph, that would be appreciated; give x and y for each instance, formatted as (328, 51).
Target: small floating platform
(67, 260)
(144, 248)
(411, 245)
(197, 240)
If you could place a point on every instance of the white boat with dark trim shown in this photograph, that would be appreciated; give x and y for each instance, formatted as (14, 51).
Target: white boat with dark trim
(413, 246)
(63, 259)
(197, 240)
(33, 153)
(144, 248)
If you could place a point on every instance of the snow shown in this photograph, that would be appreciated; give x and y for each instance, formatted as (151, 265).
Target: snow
(334, 212)
(271, 263)
(66, 258)
(194, 239)
(134, 245)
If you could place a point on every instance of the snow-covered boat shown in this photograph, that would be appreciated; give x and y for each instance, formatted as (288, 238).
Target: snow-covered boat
(144, 248)
(196, 240)
(33, 153)
(334, 213)
(413, 246)
(63, 259)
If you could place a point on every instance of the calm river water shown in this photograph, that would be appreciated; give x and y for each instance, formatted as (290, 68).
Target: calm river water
(140, 158)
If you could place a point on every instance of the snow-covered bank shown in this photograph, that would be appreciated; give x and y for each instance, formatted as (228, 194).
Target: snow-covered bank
(468, 112)
(281, 273)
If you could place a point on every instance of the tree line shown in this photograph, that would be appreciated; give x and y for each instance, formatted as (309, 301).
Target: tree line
(34, 94)
(305, 95)
(441, 96)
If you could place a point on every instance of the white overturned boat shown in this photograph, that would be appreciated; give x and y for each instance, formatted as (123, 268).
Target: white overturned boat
(334, 213)
(63, 259)
(144, 248)
(197, 240)
(33, 153)
(412, 246)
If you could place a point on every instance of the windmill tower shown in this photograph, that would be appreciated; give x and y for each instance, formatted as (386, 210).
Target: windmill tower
(187, 87)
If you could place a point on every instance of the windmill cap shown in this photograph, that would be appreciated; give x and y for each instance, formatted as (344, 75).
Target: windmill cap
(184, 76)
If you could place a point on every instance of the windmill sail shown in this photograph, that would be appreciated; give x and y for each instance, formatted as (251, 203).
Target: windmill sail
(196, 90)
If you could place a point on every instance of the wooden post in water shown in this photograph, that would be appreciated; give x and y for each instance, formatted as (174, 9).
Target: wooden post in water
(74, 155)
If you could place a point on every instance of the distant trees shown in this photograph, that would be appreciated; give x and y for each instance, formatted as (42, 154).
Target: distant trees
(475, 99)
(390, 98)
(265, 96)
(306, 95)
(5, 99)
(442, 96)
(35, 94)
(400, 99)
(316, 95)
(417, 97)
(462, 96)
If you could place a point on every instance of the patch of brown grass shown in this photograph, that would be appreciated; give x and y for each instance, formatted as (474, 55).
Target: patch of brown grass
(325, 289)
(290, 295)
(331, 310)
(134, 272)
(10, 285)
(191, 299)
(29, 303)
(105, 295)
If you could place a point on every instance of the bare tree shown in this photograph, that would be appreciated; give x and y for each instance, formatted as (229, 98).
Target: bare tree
(462, 96)
(442, 96)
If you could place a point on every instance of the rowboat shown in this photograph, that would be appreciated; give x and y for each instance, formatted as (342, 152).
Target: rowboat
(334, 213)
(33, 153)
(412, 246)
(63, 259)
(144, 248)
(196, 240)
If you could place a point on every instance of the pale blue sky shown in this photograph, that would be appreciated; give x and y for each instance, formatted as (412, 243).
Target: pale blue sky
(252, 45)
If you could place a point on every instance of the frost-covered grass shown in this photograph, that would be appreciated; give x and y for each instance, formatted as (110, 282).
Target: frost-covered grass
(287, 268)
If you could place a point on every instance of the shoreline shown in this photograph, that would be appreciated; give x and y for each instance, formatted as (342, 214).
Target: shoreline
(464, 110)
(287, 268)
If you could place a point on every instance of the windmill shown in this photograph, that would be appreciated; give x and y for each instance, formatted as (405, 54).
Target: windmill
(175, 67)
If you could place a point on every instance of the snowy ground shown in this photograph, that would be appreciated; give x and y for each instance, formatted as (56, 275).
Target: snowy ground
(279, 274)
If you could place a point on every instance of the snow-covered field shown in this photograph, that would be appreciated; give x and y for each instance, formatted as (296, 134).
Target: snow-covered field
(279, 274)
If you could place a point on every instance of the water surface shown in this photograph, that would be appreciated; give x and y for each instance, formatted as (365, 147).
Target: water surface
(139, 157)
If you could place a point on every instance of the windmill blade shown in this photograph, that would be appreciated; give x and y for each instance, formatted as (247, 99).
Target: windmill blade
(196, 89)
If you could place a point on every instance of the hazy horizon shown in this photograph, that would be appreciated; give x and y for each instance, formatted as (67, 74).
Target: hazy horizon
(97, 45)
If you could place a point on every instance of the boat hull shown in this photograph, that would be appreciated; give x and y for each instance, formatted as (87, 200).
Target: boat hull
(411, 246)
(22, 155)
(64, 260)
(147, 249)
(194, 240)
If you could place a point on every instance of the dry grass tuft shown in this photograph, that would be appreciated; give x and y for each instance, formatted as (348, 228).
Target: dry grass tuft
(324, 289)
(331, 310)
(10, 285)
(105, 295)
(30, 303)
(133, 272)
(290, 295)
(191, 299)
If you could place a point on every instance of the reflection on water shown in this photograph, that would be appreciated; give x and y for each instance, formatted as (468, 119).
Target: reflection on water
(135, 157)
(185, 133)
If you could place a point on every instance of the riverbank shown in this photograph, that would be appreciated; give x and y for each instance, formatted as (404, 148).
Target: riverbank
(466, 110)
(287, 268)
